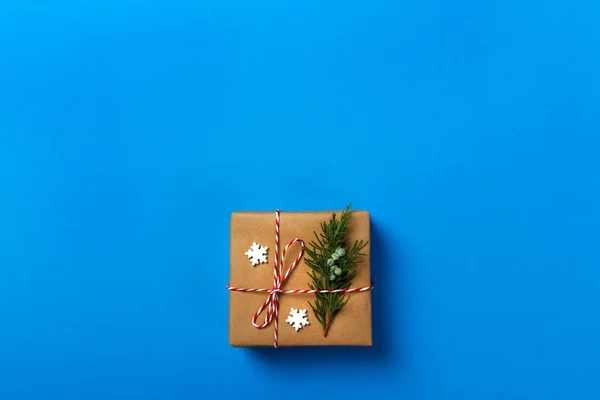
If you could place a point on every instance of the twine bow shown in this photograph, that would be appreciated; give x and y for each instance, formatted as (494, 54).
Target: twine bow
(272, 302)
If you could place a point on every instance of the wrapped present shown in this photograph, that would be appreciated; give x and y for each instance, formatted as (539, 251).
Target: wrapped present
(300, 279)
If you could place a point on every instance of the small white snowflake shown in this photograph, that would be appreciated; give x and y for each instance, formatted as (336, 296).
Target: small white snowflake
(297, 319)
(257, 254)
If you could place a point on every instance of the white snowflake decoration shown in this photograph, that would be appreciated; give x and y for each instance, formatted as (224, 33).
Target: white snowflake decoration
(257, 254)
(297, 319)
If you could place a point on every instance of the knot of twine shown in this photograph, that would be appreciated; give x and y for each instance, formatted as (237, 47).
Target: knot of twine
(271, 304)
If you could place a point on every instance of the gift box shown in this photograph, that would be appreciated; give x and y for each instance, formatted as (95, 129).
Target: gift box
(253, 286)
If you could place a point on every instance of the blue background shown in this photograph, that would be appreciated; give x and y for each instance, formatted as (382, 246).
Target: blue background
(130, 130)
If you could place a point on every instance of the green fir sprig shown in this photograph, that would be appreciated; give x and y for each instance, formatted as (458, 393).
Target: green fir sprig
(333, 266)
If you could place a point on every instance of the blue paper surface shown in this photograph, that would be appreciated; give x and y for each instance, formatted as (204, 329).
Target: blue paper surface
(130, 130)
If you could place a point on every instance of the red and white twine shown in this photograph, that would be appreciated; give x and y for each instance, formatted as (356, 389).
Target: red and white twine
(272, 302)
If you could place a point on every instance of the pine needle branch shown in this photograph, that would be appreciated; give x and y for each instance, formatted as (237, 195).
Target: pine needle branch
(333, 264)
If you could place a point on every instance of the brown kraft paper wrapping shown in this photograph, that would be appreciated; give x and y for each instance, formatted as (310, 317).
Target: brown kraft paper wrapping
(351, 327)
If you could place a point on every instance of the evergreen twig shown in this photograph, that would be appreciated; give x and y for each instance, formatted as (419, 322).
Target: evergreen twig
(328, 273)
